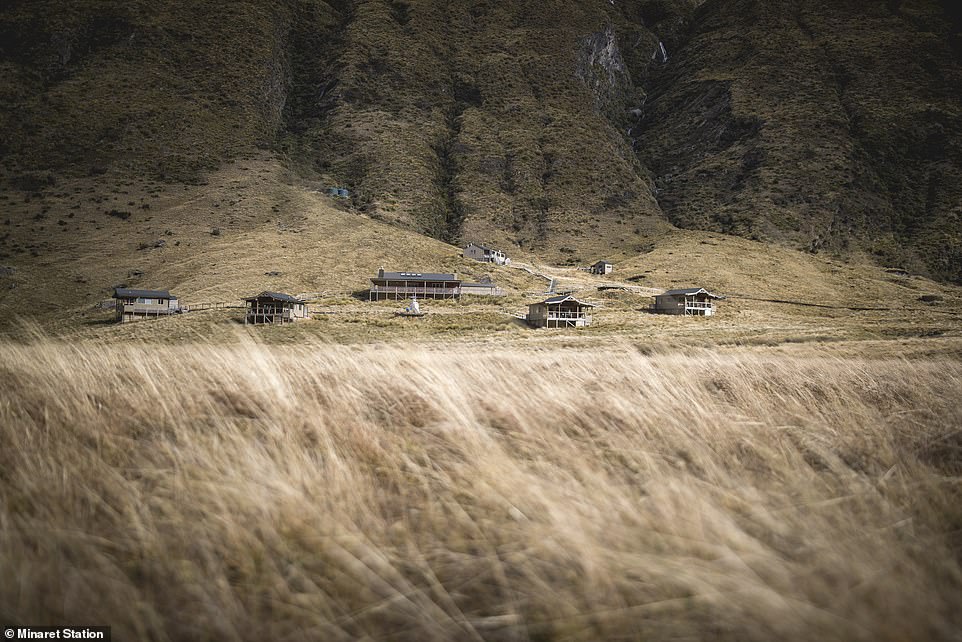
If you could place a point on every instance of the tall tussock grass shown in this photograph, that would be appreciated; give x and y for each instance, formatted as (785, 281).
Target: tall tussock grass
(335, 493)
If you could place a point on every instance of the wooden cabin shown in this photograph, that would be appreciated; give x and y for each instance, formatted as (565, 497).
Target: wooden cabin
(485, 254)
(275, 308)
(562, 311)
(601, 267)
(137, 305)
(404, 285)
(686, 301)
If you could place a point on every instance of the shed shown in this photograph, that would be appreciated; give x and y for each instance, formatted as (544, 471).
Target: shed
(137, 305)
(601, 267)
(563, 311)
(686, 301)
(422, 285)
(276, 308)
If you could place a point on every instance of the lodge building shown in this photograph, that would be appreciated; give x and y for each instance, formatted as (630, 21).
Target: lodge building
(421, 285)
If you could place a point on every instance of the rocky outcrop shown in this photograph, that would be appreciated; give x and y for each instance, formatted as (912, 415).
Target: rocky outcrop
(603, 71)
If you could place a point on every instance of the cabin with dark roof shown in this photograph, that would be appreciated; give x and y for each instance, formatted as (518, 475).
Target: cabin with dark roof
(562, 311)
(686, 301)
(421, 285)
(275, 308)
(136, 305)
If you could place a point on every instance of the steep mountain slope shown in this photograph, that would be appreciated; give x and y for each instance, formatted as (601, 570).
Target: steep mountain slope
(165, 90)
(569, 129)
(821, 124)
(486, 120)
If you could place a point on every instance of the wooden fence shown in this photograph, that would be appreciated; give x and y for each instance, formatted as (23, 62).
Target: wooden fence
(211, 305)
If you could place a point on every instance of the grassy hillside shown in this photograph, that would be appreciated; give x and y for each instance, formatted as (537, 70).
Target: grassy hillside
(254, 226)
(244, 230)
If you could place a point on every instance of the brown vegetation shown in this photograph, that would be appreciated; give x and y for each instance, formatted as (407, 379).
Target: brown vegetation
(561, 130)
(310, 492)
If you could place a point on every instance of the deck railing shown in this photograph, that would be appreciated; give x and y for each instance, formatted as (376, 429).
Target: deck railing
(147, 308)
(414, 289)
(211, 305)
(273, 316)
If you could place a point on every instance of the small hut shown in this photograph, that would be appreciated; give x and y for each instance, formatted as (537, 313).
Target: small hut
(137, 305)
(423, 285)
(485, 254)
(601, 267)
(563, 311)
(686, 301)
(275, 307)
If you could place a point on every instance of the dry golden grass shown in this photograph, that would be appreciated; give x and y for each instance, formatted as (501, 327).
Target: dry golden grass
(318, 492)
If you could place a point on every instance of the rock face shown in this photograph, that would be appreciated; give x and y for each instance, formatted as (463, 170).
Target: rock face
(602, 69)
(573, 128)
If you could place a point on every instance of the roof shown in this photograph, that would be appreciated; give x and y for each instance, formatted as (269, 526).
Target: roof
(555, 300)
(130, 293)
(483, 247)
(689, 292)
(275, 296)
(416, 276)
(603, 263)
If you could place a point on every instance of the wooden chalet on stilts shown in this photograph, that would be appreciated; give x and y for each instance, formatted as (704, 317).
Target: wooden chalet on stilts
(275, 308)
(562, 311)
(686, 301)
(405, 285)
(137, 305)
